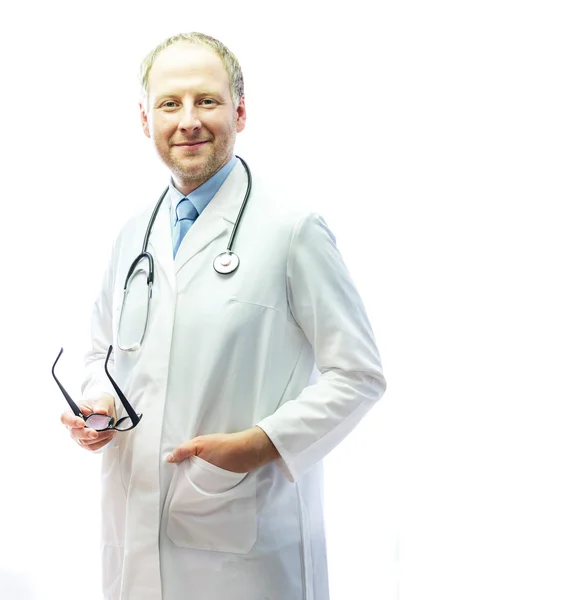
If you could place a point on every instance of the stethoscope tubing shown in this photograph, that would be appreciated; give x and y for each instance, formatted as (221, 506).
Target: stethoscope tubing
(148, 256)
(152, 219)
(242, 209)
(236, 224)
(225, 263)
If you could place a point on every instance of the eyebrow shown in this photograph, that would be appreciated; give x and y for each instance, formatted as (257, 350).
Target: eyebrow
(178, 95)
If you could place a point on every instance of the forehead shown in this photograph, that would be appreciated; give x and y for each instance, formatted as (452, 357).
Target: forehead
(188, 64)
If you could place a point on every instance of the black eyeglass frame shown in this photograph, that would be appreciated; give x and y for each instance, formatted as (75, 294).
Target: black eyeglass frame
(131, 414)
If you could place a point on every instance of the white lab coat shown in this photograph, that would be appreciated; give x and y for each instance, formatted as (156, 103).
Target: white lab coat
(222, 354)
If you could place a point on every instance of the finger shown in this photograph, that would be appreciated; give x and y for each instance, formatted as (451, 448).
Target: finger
(90, 438)
(95, 436)
(69, 419)
(85, 434)
(105, 405)
(86, 409)
(182, 452)
(102, 410)
(97, 445)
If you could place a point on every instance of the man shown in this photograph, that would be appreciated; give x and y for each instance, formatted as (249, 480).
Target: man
(217, 493)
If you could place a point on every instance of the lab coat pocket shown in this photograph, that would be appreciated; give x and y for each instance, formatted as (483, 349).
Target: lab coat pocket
(212, 509)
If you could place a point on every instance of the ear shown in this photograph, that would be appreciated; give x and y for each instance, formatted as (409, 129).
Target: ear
(241, 115)
(144, 117)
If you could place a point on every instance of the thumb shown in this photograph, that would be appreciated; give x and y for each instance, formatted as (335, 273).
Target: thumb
(104, 405)
(182, 452)
(86, 408)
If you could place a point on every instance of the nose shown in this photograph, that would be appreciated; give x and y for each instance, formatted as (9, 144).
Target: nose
(189, 119)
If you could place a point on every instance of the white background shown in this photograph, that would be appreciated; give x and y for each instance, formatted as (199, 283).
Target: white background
(428, 133)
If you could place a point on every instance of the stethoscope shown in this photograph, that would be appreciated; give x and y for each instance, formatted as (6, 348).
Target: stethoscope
(225, 263)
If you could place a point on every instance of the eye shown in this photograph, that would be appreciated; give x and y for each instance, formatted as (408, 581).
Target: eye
(208, 101)
(169, 104)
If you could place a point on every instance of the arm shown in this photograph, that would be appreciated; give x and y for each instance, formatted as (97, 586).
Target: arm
(325, 304)
(95, 381)
(97, 391)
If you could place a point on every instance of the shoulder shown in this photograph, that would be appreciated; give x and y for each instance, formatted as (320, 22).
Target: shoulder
(291, 213)
(292, 209)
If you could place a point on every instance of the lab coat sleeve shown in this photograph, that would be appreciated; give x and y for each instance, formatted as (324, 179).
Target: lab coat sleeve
(95, 380)
(325, 304)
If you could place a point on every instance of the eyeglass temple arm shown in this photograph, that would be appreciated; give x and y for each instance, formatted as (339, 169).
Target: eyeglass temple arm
(71, 402)
(130, 411)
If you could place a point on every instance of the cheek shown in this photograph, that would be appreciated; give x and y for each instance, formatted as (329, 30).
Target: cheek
(163, 128)
(223, 129)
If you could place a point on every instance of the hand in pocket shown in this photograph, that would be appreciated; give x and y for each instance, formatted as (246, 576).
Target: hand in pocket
(240, 452)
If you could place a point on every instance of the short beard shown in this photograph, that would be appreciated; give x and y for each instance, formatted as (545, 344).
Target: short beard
(201, 175)
(216, 161)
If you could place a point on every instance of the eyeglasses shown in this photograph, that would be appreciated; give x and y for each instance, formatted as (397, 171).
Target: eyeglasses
(102, 422)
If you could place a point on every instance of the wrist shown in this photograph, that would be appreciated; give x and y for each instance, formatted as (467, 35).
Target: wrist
(260, 445)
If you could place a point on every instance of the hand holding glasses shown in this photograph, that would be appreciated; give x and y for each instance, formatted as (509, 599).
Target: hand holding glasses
(99, 422)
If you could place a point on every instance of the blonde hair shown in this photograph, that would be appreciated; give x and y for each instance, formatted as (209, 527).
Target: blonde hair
(229, 61)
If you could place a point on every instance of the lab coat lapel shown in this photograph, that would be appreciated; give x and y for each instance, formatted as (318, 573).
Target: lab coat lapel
(215, 219)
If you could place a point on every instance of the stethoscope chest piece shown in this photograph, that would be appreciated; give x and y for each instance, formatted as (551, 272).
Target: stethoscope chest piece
(226, 263)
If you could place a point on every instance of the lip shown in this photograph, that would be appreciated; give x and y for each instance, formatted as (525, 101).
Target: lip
(192, 145)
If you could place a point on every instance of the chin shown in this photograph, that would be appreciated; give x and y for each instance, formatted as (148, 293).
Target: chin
(193, 169)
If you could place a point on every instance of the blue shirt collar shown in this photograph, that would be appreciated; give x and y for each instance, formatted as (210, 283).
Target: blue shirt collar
(201, 196)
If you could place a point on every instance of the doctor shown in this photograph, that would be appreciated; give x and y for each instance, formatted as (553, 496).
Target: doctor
(245, 381)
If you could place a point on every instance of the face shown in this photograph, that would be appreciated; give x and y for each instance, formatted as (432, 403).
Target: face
(189, 113)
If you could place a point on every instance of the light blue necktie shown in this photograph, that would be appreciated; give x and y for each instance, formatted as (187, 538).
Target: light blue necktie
(185, 215)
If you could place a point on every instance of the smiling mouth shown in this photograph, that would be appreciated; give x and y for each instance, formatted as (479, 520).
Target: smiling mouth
(192, 144)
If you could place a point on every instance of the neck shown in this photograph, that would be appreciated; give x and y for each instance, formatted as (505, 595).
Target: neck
(186, 187)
